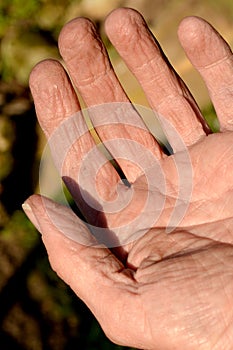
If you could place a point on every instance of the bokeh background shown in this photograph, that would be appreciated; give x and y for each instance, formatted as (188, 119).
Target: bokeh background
(37, 310)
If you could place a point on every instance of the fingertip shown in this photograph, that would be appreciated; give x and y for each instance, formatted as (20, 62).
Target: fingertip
(33, 201)
(74, 31)
(190, 30)
(29, 206)
(121, 21)
(35, 75)
(53, 94)
(43, 69)
(201, 42)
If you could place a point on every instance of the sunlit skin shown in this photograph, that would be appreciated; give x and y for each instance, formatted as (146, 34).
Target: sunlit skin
(160, 291)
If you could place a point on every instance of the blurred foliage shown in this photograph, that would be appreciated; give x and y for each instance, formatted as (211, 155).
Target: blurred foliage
(12, 12)
(211, 118)
(224, 6)
(6, 138)
(26, 37)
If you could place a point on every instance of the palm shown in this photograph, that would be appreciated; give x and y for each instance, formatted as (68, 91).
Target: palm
(182, 284)
(208, 213)
(184, 287)
(157, 290)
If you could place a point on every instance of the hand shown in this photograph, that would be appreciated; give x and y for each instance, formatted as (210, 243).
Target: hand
(157, 290)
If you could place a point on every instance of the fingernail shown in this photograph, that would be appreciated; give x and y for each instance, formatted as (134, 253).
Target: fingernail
(30, 214)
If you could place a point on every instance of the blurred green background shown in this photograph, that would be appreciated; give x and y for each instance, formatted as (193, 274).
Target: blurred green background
(37, 310)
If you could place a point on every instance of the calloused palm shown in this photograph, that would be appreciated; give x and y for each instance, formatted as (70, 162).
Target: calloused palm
(160, 290)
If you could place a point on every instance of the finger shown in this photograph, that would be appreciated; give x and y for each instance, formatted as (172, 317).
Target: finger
(212, 57)
(91, 71)
(93, 272)
(53, 95)
(165, 91)
(69, 139)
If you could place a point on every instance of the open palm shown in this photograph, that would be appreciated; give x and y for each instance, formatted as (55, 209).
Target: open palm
(148, 288)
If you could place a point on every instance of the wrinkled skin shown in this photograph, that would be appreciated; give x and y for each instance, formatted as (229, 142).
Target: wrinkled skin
(161, 290)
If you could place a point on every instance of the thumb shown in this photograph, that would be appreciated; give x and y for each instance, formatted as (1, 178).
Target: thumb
(91, 270)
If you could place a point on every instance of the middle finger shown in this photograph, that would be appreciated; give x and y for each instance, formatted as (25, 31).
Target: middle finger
(164, 89)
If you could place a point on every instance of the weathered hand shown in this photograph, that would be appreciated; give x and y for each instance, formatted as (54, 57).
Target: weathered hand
(157, 290)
